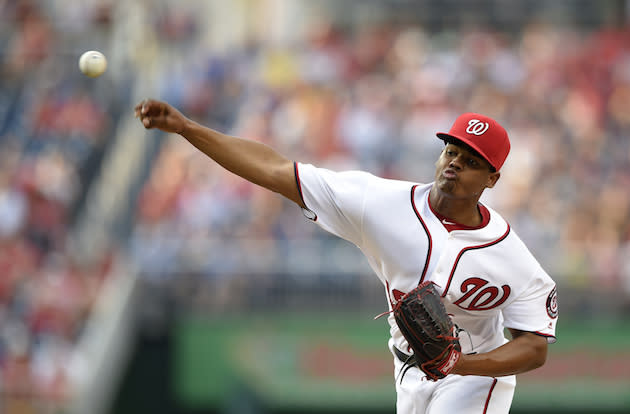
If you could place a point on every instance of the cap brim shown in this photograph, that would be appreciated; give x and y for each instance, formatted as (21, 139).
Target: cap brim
(445, 137)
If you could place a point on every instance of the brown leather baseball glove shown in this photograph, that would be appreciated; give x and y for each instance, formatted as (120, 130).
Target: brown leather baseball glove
(429, 330)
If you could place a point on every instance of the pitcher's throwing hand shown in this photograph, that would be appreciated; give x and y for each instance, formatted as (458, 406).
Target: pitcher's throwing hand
(156, 114)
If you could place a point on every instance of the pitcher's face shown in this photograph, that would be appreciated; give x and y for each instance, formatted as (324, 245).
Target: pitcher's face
(460, 172)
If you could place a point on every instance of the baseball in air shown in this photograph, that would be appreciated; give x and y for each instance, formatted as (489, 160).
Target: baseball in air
(93, 63)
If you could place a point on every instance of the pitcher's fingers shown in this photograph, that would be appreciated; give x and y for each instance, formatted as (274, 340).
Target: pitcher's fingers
(137, 109)
(142, 107)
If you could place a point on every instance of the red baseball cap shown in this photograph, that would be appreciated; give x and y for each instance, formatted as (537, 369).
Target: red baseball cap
(483, 134)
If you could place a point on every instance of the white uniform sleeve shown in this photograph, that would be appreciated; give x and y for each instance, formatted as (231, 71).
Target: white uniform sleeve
(536, 310)
(334, 200)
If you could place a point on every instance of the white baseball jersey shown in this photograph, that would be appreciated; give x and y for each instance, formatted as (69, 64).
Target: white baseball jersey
(487, 277)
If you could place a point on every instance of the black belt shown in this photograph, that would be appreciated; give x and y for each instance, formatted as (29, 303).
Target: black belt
(402, 357)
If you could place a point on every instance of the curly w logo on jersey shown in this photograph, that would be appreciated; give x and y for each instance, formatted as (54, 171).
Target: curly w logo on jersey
(475, 298)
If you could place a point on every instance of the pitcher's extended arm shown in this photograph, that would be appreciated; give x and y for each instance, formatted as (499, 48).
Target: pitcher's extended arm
(251, 160)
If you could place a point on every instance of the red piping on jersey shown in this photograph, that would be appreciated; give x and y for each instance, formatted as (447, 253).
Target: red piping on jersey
(544, 335)
(299, 187)
(461, 253)
(485, 408)
(426, 230)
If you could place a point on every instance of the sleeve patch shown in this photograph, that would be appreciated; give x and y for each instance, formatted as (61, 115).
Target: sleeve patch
(552, 303)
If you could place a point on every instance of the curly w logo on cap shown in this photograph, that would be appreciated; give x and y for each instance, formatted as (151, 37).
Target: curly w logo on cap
(477, 127)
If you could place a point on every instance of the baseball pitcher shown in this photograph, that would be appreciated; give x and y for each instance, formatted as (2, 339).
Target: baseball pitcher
(454, 272)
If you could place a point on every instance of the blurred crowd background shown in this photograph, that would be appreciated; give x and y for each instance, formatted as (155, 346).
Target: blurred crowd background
(342, 85)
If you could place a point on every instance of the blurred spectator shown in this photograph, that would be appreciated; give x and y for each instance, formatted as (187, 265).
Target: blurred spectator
(51, 130)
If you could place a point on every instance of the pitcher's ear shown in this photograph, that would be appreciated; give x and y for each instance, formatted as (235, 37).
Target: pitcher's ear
(492, 179)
